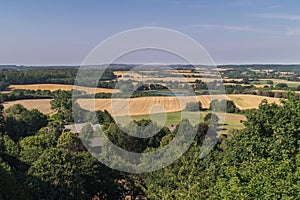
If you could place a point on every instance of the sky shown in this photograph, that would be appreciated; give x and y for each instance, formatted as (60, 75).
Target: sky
(63, 32)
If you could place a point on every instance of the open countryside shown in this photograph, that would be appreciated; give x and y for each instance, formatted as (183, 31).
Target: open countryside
(150, 100)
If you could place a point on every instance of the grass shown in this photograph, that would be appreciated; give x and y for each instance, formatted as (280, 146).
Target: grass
(231, 121)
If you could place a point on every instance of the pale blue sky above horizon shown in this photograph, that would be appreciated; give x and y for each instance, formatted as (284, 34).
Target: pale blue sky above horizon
(64, 32)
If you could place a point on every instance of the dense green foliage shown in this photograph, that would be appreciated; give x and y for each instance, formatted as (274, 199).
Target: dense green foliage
(223, 106)
(54, 75)
(27, 94)
(193, 106)
(259, 162)
(212, 118)
(21, 122)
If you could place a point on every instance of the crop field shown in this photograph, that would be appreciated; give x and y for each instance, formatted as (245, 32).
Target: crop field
(248, 101)
(145, 105)
(289, 83)
(43, 105)
(53, 87)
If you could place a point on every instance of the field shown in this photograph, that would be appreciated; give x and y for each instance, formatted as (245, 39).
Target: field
(231, 121)
(164, 110)
(289, 83)
(248, 101)
(53, 87)
(146, 105)
(43, 105)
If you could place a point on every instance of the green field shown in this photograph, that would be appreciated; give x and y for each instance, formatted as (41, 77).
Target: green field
(276, 81)
(231, 121)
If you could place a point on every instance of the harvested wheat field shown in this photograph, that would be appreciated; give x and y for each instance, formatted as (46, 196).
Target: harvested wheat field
(145, 105)
(43, 105)
(248, 101)
(53, 87)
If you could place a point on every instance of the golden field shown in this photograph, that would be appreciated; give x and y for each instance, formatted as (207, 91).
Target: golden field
(248, 101)
(53, 87)
(146, 105)
(43, 105)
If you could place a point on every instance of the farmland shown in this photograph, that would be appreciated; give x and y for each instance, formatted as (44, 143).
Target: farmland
(145, 105)
(53, 87)
(43, 105)
(231, 121)
(246, 101)
(289, 83)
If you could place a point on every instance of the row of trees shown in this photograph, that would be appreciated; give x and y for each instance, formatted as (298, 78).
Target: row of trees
(55, 76)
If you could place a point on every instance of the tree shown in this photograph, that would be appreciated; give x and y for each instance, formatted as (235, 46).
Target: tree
(270, 82)
(223, 106)
(8, 184)
(2, 121)
(32, 147)
(281, 86)
(71, 176)
(259, 162)
(70, 141)
(62, 102)
(212, 118)
(20, 122)
(193, 106)
(34, 120)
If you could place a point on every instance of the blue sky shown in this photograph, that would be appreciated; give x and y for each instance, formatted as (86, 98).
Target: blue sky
(65, 31)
